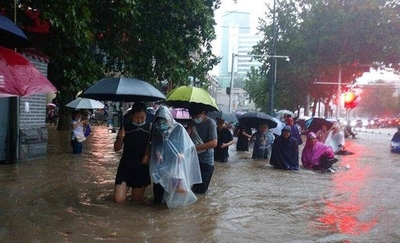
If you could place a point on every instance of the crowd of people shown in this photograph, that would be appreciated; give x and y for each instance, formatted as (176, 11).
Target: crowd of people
(178, 158)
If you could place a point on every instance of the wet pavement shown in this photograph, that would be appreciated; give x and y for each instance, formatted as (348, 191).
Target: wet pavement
(69, 198)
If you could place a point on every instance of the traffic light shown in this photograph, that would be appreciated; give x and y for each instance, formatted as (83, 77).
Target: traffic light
(228, 90)
(350, 100)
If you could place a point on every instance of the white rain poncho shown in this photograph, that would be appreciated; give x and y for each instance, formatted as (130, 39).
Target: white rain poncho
(174, 163)
(335, 140)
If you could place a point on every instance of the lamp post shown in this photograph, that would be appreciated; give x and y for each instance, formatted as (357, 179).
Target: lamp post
(272, 84)
(339, 91)
(231, 84)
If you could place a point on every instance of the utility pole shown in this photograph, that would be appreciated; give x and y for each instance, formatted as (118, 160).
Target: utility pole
(273, 81)
(339, 91)
(231, 84)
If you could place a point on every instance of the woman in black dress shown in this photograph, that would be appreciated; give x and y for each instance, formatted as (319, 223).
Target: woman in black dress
(133, 169)
(243, 135)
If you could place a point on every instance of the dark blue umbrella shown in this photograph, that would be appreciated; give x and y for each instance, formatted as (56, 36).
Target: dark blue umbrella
(11, 35)
(228, 117)
(123, 89)
(255, 119)
(314, 124)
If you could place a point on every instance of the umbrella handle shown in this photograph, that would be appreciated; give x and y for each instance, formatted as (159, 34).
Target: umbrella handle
(121, 119)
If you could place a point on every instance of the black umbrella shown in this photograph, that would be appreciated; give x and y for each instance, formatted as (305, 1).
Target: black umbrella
(11, 35)
(314, 124)
(123, 89)
(256, 118)
(228, 117)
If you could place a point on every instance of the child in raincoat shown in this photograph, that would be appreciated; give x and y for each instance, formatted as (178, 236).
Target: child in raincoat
(174, 165)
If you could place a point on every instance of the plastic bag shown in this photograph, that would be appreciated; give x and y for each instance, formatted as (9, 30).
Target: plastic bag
(80, 138)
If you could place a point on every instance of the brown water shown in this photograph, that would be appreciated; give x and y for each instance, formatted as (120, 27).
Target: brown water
(69, 198)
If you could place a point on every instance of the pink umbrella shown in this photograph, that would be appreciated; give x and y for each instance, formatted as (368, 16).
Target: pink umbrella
(19, 77)
(51, 104)
(180, 114)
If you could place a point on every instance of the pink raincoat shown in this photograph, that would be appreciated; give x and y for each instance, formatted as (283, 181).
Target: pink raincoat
(313, 151)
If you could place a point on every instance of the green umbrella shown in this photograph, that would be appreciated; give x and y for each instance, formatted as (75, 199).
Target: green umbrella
(185, 96)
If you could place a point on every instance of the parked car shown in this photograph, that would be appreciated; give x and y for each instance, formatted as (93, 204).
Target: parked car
(359, 123)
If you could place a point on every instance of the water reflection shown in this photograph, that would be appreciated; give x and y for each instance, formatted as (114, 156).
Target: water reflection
(346, 206)
(68, 198)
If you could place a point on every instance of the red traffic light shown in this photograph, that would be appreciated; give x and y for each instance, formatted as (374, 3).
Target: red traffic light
(350, 100)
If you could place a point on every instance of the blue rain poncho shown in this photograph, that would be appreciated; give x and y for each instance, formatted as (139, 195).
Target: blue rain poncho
(173, 162)
(395, 142)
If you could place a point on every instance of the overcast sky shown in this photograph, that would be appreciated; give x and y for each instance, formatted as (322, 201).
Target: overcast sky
(374, 75)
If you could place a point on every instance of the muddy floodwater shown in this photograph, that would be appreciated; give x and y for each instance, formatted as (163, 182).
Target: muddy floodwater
(69, 198)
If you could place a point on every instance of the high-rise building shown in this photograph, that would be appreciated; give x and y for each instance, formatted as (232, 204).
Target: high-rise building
(234, 23)
(237, 42)
(236, 38)
(244, 61)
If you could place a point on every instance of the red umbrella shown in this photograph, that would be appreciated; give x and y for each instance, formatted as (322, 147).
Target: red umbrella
(19, 77)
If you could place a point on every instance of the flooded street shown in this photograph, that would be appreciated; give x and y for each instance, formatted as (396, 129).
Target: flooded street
(69, 198)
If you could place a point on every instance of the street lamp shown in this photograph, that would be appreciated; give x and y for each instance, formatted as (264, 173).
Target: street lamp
(272, 83)
(272, 91)
(231, 84)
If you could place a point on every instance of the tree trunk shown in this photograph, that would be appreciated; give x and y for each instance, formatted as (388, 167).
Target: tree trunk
(65, 113)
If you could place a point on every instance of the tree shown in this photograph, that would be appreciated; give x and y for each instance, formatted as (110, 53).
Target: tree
(322, 36)
(256, 87)
(150, 40)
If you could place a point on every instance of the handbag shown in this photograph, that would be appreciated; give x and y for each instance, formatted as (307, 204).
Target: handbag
(80, 138)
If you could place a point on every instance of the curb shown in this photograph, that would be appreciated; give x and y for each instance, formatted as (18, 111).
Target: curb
(374, 132)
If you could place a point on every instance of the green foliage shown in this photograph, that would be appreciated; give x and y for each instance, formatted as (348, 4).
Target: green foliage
(323, 36)
(156, 40)
(256, 87)
(152, 40)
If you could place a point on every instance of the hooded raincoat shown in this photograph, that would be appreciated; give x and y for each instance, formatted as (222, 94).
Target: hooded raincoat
(285, 152)
(174, 163)
(315, 153)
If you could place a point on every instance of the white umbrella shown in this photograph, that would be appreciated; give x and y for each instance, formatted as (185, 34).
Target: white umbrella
(278, 129)
(281, 113)
(84, 103)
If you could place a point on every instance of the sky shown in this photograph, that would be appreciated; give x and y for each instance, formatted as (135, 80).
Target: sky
(256, 8)
(374, 75)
